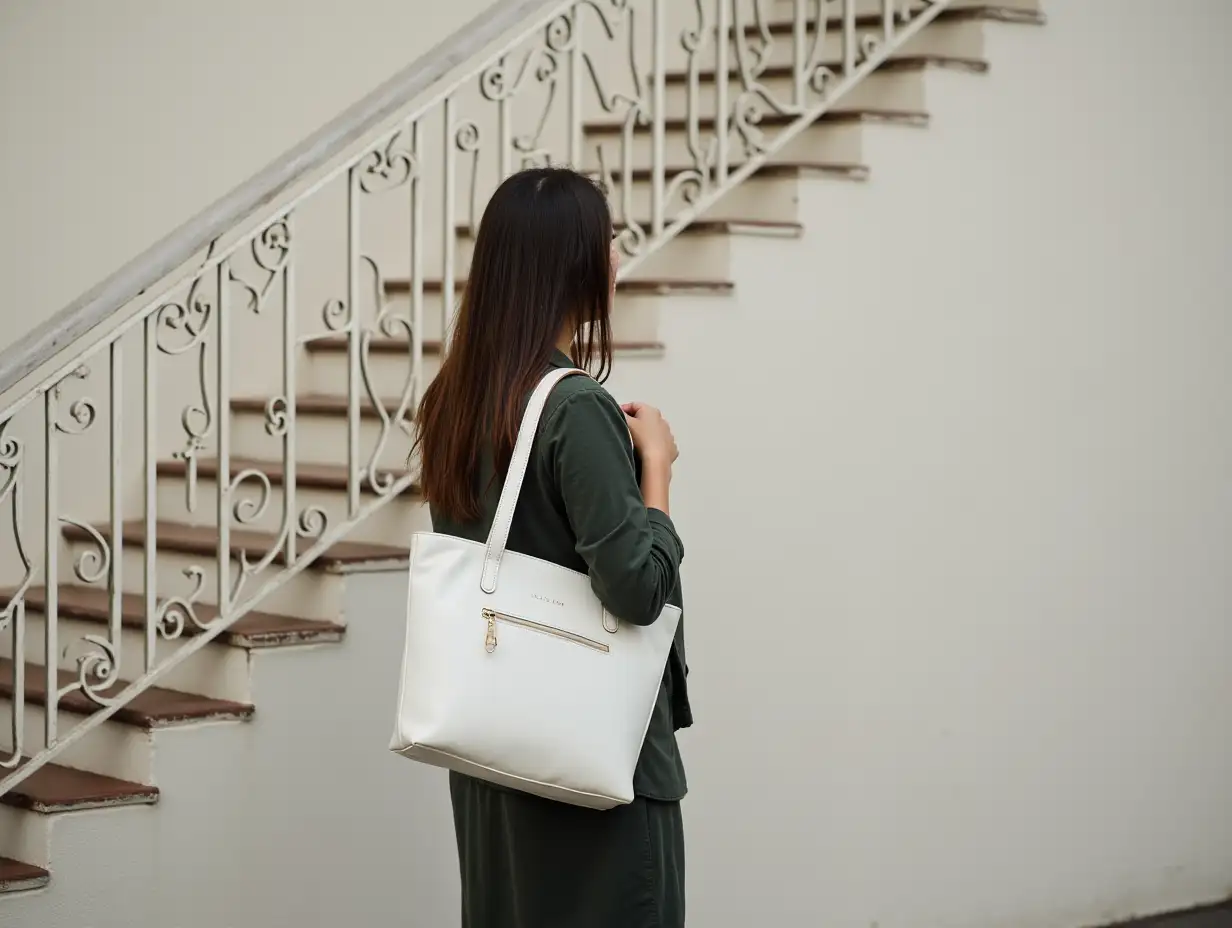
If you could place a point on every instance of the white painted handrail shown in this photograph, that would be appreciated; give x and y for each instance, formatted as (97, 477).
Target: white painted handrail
(100, 302)
(668, 127)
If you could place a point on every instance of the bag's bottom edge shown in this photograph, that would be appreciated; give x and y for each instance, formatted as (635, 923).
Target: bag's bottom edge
(553, 791)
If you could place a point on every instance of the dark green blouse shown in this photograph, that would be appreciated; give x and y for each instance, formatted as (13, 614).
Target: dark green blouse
(581, 507)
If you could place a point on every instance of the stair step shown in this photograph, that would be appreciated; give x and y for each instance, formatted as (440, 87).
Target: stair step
(779, 169)
(16, 877)
(395, 286)
(907, 63)
(712, 226)
(154, 708)
(864, 116)
(993, 12)
(338, 343)
(203, 540)
(315, 475)
(253, 630)
(53, 788)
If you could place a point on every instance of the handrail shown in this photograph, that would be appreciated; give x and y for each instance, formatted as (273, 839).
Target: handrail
(93, 307)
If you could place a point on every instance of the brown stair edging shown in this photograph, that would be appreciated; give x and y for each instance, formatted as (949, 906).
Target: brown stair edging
(252, 630)
(990, 12)
(635, 285)
(203, 540)
(871, 115)
(150, 709)
(697, 226)
(53, 788)
(17, 877)
(906, 63)
(315, 476)
(432, 347)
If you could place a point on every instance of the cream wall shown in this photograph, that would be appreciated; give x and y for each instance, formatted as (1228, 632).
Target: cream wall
(959, 529)
(122, 119)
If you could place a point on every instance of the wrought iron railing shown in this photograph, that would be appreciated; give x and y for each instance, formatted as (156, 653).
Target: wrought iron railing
(665, 101)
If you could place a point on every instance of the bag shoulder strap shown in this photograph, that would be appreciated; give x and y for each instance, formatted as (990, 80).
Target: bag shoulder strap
(498, 537)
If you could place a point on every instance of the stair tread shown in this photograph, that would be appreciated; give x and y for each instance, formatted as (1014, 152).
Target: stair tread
(53, 788)
(635, 285)
(155, 707)
(902, 63)
(995, 12)
(252, 629)
(433, 346)
(863, 114)
(697, 226)
(203, 539)
(319, 476)
(770, 171)
(16, 876)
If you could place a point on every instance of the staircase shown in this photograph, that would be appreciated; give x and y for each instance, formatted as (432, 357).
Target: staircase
(188, 480)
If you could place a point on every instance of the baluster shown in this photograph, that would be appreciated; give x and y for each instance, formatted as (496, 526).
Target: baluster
(723, 30)
(799, 34)
(51, 561)
(449, 195)
(290, 358)
(849, 38)
(504, 133)
(11, 494)
(417, 265)
(658, 205)
(222, 331)
(887, 20)
(150, 453)
(576, 66)
(115, 585)
(353, 336)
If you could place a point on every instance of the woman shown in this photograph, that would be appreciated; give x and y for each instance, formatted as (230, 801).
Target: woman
(539, 297)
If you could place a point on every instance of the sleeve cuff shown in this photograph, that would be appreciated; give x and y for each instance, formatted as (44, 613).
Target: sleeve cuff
(661, 519)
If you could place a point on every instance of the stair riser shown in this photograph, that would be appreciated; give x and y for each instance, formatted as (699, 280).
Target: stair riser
(25, 836)
(892, 90)
(693, 257)
(781, 11)
(635, 318)
(311, 594)
(216, 670)
(389, 372)
(840, 143)
(389, 525)
(767, 199)
(319, 438)
(112, 748)
(957, 39)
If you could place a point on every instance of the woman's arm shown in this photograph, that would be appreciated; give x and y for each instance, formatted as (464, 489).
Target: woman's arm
(629, 543)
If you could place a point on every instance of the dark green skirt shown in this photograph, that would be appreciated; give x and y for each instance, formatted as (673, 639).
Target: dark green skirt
(528, 862)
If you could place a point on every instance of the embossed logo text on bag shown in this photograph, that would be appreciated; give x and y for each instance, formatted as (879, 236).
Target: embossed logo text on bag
(546, 599)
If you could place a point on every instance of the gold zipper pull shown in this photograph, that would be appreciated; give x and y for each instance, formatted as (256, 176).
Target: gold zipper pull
(489, 640)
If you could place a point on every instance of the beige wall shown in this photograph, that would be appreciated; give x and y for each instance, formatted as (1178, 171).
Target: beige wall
(122, 119)
(955, 490)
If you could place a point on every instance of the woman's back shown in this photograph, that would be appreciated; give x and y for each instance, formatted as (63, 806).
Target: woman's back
(541, 284)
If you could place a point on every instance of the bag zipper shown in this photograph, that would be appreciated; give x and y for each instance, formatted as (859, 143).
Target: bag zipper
(491, 616)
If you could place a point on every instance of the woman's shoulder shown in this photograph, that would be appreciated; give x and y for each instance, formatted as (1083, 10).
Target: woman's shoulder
(580, 398)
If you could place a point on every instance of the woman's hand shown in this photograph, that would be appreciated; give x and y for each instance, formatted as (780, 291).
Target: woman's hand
(652, 435)
(653, 439)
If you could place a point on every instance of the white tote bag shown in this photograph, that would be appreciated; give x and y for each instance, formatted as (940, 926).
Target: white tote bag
(513, 672)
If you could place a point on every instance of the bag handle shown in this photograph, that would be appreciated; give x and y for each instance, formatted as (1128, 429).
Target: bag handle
(498, 537)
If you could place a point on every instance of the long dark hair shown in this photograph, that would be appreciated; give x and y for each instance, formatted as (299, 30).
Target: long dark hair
(541, 262)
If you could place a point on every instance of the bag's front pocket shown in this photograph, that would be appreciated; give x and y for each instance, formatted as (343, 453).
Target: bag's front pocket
(493, 618)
